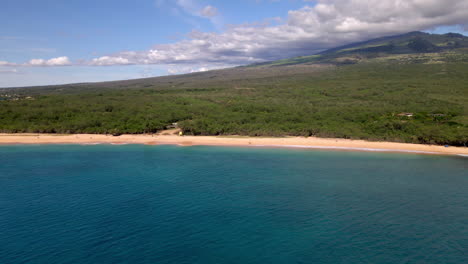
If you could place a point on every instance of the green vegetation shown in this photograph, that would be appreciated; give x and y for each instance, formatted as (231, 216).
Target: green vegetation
(358, 101)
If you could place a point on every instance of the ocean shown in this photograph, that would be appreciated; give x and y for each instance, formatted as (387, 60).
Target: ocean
(169, 204)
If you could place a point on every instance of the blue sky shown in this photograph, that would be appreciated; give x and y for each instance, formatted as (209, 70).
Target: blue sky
(59, 41)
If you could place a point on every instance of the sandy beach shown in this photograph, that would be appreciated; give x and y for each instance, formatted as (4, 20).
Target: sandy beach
(288, 142)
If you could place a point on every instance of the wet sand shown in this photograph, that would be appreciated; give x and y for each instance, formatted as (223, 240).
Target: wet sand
(287, 142)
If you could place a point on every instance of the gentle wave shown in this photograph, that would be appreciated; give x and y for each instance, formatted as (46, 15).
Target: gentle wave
(348, 148)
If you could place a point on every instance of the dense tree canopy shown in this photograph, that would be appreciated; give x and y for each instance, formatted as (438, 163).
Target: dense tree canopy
(355, 101)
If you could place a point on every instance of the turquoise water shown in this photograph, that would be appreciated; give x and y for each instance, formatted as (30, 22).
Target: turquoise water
(168, 204)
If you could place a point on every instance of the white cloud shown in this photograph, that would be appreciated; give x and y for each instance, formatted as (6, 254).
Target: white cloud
(59, 61)
(109, 60)
(209, 11)
(37, 62)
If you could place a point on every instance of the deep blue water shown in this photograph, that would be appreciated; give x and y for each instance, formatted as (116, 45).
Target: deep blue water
(168, 204)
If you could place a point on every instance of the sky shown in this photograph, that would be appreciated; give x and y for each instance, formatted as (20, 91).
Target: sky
(45, 42)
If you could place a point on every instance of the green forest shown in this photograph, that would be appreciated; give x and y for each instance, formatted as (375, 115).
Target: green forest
(360, 101)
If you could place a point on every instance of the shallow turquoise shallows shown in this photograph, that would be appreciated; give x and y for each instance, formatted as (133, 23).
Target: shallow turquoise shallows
(168, 204)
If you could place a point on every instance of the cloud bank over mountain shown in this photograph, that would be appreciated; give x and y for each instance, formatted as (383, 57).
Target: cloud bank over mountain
(317, 26)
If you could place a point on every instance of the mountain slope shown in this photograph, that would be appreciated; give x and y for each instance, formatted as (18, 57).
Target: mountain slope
(413, 47)
(418, 46)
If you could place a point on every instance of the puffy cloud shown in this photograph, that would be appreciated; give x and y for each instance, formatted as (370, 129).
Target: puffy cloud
(209, 11)
(37, 62)
(108, 60)
(305, 31)
(59, 61)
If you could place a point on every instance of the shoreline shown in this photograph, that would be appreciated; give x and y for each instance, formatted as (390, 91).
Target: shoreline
(286, 142)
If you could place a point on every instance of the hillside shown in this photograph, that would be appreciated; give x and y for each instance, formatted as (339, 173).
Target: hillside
(407, 48)
(357, 91)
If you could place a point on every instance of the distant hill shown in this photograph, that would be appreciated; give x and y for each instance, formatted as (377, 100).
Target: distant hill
(412, 47)
(447, 46)
(413, 42)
